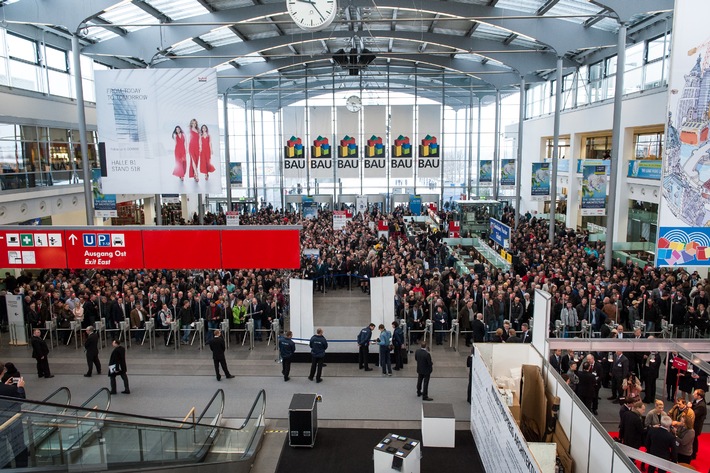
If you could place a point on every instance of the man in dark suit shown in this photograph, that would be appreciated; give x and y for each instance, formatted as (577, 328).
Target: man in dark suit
(586, 388)
(13, 433)
(595, 367)
(701, 411)
(619, 372)
(91, 347)
(363, 342)
(117, 367)
(526, 336)
(218, 348)
(425, 366)
(559, 362)
(650, 369)
(661, 442)
(40, 350)
(478, 329)
(513, 337)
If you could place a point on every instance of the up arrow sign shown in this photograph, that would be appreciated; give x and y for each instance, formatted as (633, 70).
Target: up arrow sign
(73, 238)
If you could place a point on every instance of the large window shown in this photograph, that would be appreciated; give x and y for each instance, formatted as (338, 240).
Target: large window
(597, 147)
(648, 145)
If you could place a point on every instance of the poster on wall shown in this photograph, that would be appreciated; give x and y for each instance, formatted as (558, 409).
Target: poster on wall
(361, 204)
(499, 232)
(415, 204)
(235, 174)
(429, 160)
(295, 158)
(540, 181)
(507, 173)
(348, 158)
(104, 204)
(310, 208)
(401, 158)
(321, 163)
(375, 161)
(645, 169)
(594, 190)
(485, 171)
(159, 131)
(683, 218)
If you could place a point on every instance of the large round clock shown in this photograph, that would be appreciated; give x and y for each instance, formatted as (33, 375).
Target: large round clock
(312, 15)
(353, 103)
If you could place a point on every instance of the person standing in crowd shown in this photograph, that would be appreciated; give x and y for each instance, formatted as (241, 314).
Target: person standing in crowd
(559, 362)
(478, 328)
(117, 367)
(384, 341)
(650, 366)
(286, 349)
(186, 320)
(619, 372)
(40, 350)
(586, 386)
(218, 347)
(12, 433)
(701, 411)
(425, 366)
(397, 344)
(632, 429)
(91, 347)
(363, 343)
(318, 345)
(653, 418)
(685, 436)
(661, 442)
(526, 336)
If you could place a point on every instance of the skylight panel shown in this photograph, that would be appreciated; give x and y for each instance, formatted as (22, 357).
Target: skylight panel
(179, 9)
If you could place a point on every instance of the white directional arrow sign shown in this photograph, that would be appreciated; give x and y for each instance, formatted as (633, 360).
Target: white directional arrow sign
(73, 238)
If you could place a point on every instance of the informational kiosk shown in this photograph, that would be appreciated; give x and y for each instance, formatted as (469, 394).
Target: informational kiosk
(438, 425)
(302, 420)
(397, 453)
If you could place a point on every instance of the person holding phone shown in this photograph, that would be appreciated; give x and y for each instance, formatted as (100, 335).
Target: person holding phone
(13, 433)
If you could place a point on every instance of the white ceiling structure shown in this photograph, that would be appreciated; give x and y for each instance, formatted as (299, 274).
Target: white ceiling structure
(447, 51)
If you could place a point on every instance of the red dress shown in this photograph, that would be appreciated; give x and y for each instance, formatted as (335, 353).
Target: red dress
(180, 156)
(206, 155)
(194, 149)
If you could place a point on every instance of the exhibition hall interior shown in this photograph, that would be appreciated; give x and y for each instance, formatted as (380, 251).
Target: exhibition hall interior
(295, 236)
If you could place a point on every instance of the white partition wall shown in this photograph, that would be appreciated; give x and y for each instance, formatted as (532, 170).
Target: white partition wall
(382, 301)
(541, 321)
(301, 309)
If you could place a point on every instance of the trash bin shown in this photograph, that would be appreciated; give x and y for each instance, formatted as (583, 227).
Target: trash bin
(302, 420)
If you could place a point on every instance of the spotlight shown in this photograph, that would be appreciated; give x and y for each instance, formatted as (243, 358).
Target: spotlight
(366, 57)
(341, 58)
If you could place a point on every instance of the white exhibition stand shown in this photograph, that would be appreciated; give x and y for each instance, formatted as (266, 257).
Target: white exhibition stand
(397, 453)
(438, 425)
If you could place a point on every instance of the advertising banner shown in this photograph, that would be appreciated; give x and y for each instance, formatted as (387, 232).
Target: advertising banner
(361, 204)
(232, 218)
(16, 319)
(507, 173)
(485, 171)
(321, 163)
(429, 161)
(375, 162)
(591, 162)
(499, 232)
(340, 219)
(540, 185)
(594, 190)
(683, 218)
(348, 158)
(104, 204)
(235, 174)
(401, 158)
(310, 208)
(295, 159)
(159, 131)
(645, 169)
(170, 198)
(415, 204)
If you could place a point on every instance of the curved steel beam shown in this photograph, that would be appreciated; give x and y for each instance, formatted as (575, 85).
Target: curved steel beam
(625, 9)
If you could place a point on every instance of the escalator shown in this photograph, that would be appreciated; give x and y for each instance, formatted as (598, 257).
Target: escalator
(60, 437)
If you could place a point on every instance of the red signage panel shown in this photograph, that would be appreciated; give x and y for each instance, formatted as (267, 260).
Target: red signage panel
(20, 248)
(110, 249)
(181, 249)
(261, 249)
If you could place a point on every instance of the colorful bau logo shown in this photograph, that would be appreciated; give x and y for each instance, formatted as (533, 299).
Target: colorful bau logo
(375, 148)
(429, 147)
(348, 148)
(401, 147)
(320, 148)
(678, 247)
(294, 148)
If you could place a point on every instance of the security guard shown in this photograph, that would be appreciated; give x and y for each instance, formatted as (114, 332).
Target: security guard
(286, 348)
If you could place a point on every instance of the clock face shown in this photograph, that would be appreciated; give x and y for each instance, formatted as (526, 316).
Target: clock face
(312, 15)
(353, 104)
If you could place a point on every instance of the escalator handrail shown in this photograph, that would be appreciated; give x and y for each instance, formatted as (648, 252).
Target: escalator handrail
(48, 399)
(220, 393)
(102, 412)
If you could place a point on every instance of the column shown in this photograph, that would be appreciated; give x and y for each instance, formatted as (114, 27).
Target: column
(555, 149)
(81, 118)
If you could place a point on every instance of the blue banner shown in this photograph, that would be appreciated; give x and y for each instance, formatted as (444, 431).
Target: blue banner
(540, 185)
(563, 165)
(507, 173)
(594, 190)
(104, 204)
(499, 233)
(485, 171)
(645, 169)
(683, 246)
(235, 174)
(415, 204)
(310, 208)
(593, 162)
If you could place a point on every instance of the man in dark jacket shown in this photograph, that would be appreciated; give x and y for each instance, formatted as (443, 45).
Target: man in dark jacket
(397, 343)
(117, 367)
(318, 346)
(586, 388)
(619, 372)
(632, 430)
(40, 350)
(91, 347)
(13, 431)
(661, 442)
(701, 411)
(424, 369)
(363, 343)
(286, 349)
(218, 348)
(478, 328)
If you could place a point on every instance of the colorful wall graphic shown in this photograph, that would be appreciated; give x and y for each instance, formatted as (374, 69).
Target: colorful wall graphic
(540, 185)
(348, 158)
(594, 190)
(507, 173)
(429, 161)
(485, 171)
(294, 158)
(401, 158)
(321, 163)
(375, 162)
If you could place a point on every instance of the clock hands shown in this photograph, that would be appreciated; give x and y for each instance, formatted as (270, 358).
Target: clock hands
(313, 4)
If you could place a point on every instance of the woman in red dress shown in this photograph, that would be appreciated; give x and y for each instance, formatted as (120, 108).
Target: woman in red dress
(180, 153)
(194, 149)
(205, 152)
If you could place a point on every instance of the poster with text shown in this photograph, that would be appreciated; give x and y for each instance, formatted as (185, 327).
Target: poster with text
(401, 159)
(507, 173)
(295, 158)
(429, 160)
(321, 162)
(485, 171)
(160, 131)
(683, 215)
(540, 181)
(348, 158)
(594, 190)
(235, 174)
(104, 204)
(375, 160)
